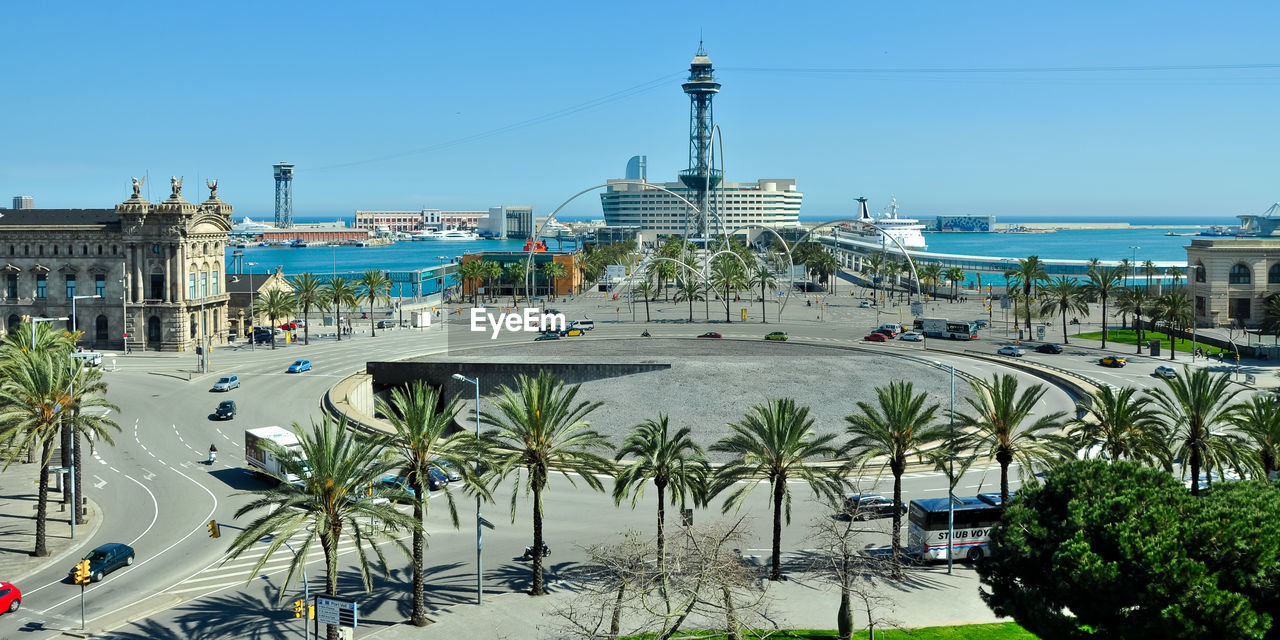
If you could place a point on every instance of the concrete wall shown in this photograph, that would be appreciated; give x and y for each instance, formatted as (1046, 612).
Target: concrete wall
(494, 374)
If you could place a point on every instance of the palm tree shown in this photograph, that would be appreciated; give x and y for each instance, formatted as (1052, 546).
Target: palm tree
(1258, 420)
(422, 443)
(763, 277)
(308, 290)
(1126, 268)
(1198, 405)
(773, 442)
(874, 264)
(1135, 301)
(374, 287)
(824, 265)
(32, 394)
(338, 292)
(274, 304)
(646, 291)
(88, 390)
(337, 489)
(670, 460)
(902, 425)
(689, 289)
(1104, 282)
(1175, 275)
(727, 273)
(932, 272)
(1121, 425)
(471, 272)
(1174, 308)
(1062, 294)
(539, 427)
(515, 275)
(1029, 273)
(552, 271)
(955, 275)
(1001, 427)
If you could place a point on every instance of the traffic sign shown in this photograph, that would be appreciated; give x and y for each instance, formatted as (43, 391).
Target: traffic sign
(917, 309)
(336, 611)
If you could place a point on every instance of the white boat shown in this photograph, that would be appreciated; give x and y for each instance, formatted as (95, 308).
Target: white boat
(249, 228)
(447, 234)
(905, 230)
(1221, 231)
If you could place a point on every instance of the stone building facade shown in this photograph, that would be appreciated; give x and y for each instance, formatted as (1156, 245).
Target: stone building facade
(1230, 279)
(158, 268)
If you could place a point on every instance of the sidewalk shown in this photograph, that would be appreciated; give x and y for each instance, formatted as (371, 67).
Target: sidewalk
(18, 493)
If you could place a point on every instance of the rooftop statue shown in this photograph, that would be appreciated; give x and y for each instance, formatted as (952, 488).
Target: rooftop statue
(213, 188)
(137, 186)
(177, 187)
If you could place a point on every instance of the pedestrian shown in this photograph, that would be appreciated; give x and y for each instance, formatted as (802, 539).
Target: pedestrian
(213, 454)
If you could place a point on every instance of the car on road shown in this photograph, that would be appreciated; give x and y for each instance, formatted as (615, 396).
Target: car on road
(888, 333)
(547, 336)
(865, 304)
(261, 336)
(10, 597)
(893, 329)
(981, 324)
(299, 366)
(1166, 371)
(875, 337)
(571, 332)
(1113, 361)
(450, 471)
(864, 506)
(1011, 350)
(777, 335)
(912, 336)
(585, 325)
(710, 334)
(227, 383)
(105, 559)
(226, 410)
(1048, 347)
(386, 324)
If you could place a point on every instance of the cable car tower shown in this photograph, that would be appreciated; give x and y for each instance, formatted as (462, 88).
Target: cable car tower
(701, 176)
(284, 194)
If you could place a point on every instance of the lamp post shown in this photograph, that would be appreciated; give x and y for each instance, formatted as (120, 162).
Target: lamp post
(951, 464)
(73, 310)
(479, 539)
(253, 340)
(1133, 262)
(443, 279)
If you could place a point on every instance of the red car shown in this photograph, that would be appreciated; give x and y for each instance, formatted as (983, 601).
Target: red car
(876, 337)
(10, 597)
(710, 334)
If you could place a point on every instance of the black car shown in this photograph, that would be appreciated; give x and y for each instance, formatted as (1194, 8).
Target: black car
(1048, 348)
(105, 559)
(865, 506)
(226, 410)
(386, 324)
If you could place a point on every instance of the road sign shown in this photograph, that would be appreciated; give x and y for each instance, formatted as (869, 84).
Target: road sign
(1040, 332)
(615, 271)
(917, 309)
(336, 611)
(1004, 303)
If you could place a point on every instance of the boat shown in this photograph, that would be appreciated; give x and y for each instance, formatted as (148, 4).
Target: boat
(298, 243)
(906, 231)
(249, 228)
(1221, 231)
(447, 234)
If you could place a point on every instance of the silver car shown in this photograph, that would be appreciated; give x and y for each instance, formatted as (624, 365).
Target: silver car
(1011, 350)
(226, 383)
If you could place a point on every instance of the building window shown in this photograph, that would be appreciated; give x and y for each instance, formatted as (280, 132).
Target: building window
(204, 285)
(1239, 274)
(42, 286)
(155, 248)
(100, 285)
(214, 288)
(71, 287)
(1200, 305)
(157, 286)
(11, 286)
(1273, 274)
(99, 249)
(1239, 308)
(191, 286)
(100, 329)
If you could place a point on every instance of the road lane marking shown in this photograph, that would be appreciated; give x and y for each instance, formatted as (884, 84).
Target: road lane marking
(100, 483)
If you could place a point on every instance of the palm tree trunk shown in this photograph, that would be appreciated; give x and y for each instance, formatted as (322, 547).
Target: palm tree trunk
(306, 333)
(79, 492)
(1137, 322)
(1195, 472)
(337, 317)
(662, 543)
(537, 590)
(42, 501)
(726, 301)
(779, 485)
(898, 468)
(764, 320)
(1064, 327)
(373, 326)
(273, 333)
(328, 540)
(419, 613)
(1004, 458)
(1104, 323)
(646, 308)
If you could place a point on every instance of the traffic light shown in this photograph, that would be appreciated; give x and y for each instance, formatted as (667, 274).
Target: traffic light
(81, 575)
(297, 607)
(215, 531)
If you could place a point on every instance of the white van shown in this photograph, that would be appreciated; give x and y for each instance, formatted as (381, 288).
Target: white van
(585, 325)
(90, 358)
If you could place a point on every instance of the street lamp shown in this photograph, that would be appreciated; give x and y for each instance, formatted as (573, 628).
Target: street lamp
(1133, 264)
(951, 463)
(443, 280)
(253, 340)
(73, 309)
(479, 539)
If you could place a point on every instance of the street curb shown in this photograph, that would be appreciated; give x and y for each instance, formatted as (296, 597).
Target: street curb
(89, 530)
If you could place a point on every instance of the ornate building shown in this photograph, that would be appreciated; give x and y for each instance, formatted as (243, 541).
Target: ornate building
(157, 269)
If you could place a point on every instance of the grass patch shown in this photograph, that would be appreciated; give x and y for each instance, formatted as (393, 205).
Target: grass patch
(1130, 337)
(997, 631)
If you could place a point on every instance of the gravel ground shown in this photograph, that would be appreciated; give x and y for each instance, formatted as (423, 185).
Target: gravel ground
(714, 382)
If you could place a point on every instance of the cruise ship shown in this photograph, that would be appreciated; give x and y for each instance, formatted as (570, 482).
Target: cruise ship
(905, 230)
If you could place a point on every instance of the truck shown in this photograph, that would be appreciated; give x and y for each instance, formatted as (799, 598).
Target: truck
(260, 459)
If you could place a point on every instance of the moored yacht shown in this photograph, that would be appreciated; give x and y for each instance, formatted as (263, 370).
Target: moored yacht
(905, 230)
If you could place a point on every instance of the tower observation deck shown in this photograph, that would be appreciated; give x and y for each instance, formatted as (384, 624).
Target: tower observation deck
(701, 177)
(284, 194)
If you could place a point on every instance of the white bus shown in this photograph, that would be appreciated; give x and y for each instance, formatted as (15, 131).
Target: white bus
(943, 328)
(974, 517)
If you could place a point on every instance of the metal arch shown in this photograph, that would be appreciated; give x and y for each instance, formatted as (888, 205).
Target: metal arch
(905, 253)
(791, 280)
(706, 267)
(537, 231)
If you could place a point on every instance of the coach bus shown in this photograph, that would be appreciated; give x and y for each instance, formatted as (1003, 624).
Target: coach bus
(974, 517)
(943, 328)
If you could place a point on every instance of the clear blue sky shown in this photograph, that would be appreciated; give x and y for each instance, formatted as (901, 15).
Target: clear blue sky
(466, 105)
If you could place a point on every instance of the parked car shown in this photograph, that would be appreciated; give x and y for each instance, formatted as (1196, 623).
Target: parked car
(888, 333)
(10, 597)
(1113, 361)
(547, 336)
(299, 366)
(386, 324)
(1166, 371)
(875, 337)
(105, 559)
(710, 334)
(1011, 350)
(450, 471)
(1048, 348)
(893, 329)
(912, 336)
(226, 410)
(777, 335)
(227, 383)
(862, 506)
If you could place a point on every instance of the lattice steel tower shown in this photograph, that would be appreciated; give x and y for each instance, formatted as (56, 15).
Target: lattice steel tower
(701, 176)
(284, 194)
